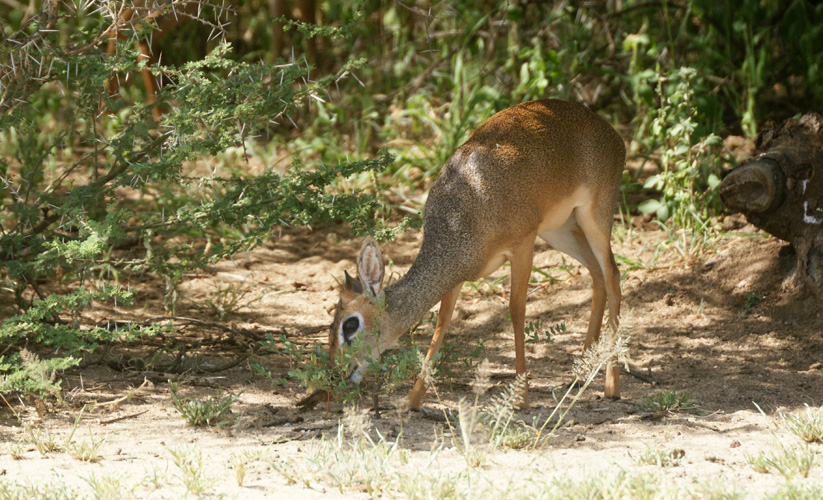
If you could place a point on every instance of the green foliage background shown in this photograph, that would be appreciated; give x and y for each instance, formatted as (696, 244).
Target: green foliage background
(98, 189)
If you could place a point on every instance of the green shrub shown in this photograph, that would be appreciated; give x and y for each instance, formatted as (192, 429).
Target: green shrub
(96, 189)
(315, 371)
(668, 401)
(211, 411)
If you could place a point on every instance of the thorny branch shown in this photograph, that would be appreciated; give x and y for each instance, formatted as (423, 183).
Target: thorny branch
(21, 73)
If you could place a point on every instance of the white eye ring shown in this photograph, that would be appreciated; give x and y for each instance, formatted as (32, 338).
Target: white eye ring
(341, 337)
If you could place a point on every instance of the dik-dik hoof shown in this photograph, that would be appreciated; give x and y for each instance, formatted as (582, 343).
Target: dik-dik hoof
(524, 403)
(612, 389)
(416, 396)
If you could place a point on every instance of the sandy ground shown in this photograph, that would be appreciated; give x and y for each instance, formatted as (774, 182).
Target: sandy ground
(731, 329)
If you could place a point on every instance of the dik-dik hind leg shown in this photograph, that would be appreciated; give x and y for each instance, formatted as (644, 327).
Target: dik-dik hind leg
(612, 388)
(444, 317)
(570, 239)
(616, 295)
(597, 230)
(521, 268)
(586, 256)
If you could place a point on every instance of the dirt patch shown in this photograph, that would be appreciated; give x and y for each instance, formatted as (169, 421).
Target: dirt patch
(731, 330)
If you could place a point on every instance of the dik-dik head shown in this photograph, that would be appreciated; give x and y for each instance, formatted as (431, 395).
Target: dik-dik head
(360, 313)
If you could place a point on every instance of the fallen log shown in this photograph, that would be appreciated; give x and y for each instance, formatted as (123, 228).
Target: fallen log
(780, 191)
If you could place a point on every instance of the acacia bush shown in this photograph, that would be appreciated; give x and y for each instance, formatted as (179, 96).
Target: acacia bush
(96, 189)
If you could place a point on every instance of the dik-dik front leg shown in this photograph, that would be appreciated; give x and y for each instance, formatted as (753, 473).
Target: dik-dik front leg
(521, 262)
(444, 317)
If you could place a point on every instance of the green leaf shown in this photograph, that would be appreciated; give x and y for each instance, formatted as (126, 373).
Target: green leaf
(649, 206)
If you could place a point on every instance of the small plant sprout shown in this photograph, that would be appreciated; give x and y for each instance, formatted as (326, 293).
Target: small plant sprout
(788, 461)
(212, 412)
(17, 449)
(190, 464)
(240, 461)
(327, 378)
(107, 486)
(806, 424)
(391, 369)
(601, 354)
(155, 477)
(486, 287)
(238, 464)
(661, 457)
(535, 328)
(668, 401)
(87, 450)
(500, 415)
(43, 441)
(752, 299)
(484, 430)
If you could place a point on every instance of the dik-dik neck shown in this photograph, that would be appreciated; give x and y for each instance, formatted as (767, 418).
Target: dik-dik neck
(432, 275)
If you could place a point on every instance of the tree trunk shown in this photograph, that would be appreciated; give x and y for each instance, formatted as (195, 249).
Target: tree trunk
(780, 190)
(277, 9)
(306, 12)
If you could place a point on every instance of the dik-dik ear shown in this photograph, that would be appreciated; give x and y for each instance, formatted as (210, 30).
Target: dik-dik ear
(352, 284)
(370, 267)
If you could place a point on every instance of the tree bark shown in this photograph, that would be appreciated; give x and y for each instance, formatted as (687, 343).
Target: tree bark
(780, 190)
(277, 9)
(307, 13)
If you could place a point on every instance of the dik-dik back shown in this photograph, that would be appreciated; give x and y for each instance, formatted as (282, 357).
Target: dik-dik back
(545, 168)
(525, 167)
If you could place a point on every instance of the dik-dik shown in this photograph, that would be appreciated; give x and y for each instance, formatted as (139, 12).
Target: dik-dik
(546, 168)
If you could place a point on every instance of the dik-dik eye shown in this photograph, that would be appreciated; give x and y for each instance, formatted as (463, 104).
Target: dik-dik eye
(349, 328)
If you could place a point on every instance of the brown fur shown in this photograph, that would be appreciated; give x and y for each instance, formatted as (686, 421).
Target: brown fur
(548, 168)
